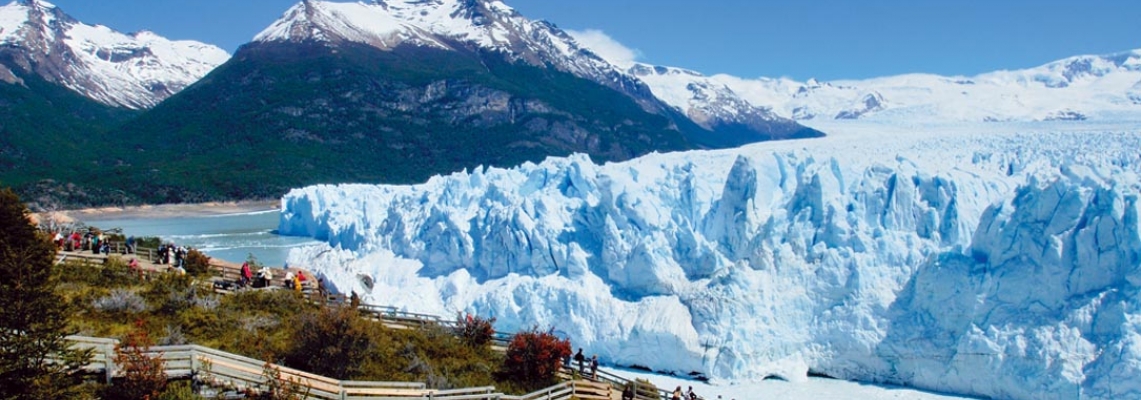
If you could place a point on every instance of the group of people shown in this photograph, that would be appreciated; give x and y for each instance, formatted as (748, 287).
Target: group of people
(169, 254)
(264, 278)
(581, 360)
(628, 391)
(91, 240)
(688, 395)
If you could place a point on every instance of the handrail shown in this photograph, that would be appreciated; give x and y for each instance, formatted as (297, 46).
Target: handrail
(220, 367)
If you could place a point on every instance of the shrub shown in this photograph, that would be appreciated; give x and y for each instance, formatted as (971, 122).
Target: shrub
(150, 242)
(534, 357)
(121, 301)
(278, 388)
(643, 388)
(179, 390)
(197, 263)
(331, 341)
(143, 376)
(171, 292)
(114, 273)
(475, 331)
(173, 336)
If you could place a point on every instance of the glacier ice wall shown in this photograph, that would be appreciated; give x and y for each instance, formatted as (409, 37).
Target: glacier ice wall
(992, 265)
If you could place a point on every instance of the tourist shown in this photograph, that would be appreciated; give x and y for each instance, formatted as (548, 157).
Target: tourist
(594, 367)
(628, 392)
(265, 277)
(578, 357)
(297, 282)
(321, 289)
(676, 394)
(691, 394)
(247, 275)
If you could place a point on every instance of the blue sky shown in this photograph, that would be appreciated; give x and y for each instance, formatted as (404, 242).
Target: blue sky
(825, 39)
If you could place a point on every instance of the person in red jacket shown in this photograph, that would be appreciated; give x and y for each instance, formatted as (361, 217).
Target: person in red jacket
(247, 275)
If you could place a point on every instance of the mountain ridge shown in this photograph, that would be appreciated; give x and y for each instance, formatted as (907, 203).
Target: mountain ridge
(1074, 88)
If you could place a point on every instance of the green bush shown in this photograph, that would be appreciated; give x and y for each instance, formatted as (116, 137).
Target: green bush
(150, 242)
(197, 263)
(330, 341)
(179, 390)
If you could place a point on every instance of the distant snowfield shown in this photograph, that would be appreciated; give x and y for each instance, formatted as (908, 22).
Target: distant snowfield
(986, 259)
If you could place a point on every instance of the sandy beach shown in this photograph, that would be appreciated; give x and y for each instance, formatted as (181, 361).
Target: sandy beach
(169, 210)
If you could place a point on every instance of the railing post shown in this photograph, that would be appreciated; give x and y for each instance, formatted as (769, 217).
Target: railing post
(107, 352)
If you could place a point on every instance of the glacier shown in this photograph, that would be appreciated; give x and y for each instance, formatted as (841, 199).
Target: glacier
(996, 260)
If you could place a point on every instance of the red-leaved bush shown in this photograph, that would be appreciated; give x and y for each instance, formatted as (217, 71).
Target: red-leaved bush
(142, 372)
(475, 331)
(533, 358)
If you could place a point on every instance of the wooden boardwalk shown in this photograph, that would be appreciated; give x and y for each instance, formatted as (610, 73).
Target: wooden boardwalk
(221, 369)
(225, 275)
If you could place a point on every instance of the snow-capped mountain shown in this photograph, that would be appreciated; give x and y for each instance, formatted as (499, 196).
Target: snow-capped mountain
(972, 260)
(1076, 88)
(136, 70)
(494, 26)
(451, 25)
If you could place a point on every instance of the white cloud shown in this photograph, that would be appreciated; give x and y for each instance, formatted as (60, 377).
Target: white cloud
(606, 47)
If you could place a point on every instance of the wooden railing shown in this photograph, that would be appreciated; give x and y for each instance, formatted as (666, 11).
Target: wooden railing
(221, 369)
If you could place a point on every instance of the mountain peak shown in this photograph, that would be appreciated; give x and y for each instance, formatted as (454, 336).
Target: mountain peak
(113, 68)
(35, 3)
(386, 24)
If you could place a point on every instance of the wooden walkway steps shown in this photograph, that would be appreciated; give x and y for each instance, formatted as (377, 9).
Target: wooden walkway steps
(222, 369)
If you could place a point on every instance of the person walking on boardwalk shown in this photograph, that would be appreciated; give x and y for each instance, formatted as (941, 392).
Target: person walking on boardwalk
(578, 357)
(594, 367)
(676, 394)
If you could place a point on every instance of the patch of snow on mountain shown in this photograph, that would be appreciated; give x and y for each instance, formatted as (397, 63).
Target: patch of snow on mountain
(706, 101)
(992, 259)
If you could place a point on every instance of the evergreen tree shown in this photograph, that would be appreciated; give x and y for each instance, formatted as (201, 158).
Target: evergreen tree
(33, 316)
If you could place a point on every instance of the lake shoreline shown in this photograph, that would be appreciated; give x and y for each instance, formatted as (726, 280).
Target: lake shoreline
(169, 210)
